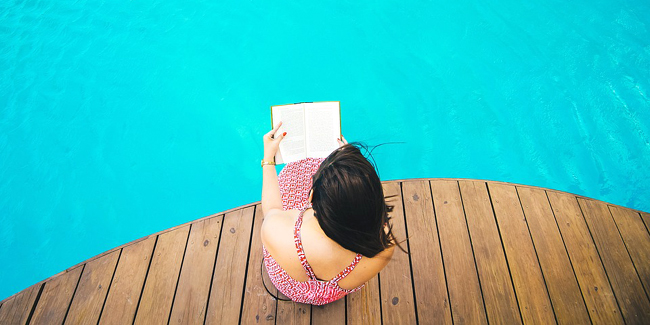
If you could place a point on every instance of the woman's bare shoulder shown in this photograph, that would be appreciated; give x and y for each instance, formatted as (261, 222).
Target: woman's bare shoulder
(387, 253)
(380, 260)
(277, 227)
(367, 269)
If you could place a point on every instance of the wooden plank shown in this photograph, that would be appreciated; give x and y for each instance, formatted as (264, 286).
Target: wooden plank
(193, 287)
(646, 220)
(496, 285)
(561, 282)
(55, 299)
(637, 241)
(225, 299)
(462, 278)
(363, 306)
(332, 313)
(395, 280)
(91, 291)
(124, 293)
(259, 306)
(16, 309)
(534, 303)
(627, 287)
(588, 269)
(292, 313)
(160, 284)
(428, 272)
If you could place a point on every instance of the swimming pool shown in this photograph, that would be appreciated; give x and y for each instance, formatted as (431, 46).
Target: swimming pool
(121, 119)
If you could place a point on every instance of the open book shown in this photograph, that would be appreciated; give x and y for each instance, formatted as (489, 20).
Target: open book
(312, 130)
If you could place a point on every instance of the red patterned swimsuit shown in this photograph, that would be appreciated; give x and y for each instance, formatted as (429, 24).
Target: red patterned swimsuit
(295, 182)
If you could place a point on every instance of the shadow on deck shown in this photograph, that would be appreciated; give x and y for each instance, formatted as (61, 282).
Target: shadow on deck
(479, 252)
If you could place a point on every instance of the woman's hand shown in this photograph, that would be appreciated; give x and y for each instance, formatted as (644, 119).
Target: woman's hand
(272, 142)
(342, 141)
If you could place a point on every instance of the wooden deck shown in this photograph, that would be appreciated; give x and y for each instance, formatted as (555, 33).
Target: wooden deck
(480, 252)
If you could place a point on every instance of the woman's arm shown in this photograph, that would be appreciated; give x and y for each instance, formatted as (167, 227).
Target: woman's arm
(271, 197)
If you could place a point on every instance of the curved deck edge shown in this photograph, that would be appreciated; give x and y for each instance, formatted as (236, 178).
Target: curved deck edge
(74, 267)
(509, 183)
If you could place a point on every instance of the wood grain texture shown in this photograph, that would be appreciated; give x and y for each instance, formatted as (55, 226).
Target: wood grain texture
(259, 306)
(91, 291)
(56, 297)
(124, 293)
(395, 279)
(496, 285)
(228, 279)
(329, 314)
(16, 309)
(291, 313)
(636, 239)
(363, 305)
(589, 271)
(561, 282)
(534, 303)
(519, 265)
(160, 285)
(625, 282)
(646, 220)
(462, 278)
(428, 272)
(191, 299)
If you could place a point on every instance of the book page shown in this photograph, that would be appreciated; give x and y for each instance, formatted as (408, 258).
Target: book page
(292, 148)
(323, 121)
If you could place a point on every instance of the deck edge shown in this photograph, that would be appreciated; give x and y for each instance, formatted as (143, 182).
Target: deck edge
(259, 202)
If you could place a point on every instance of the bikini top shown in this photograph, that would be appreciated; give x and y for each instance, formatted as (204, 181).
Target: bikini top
(313, 291)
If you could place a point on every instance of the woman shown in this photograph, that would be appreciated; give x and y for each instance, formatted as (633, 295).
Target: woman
(319, 254)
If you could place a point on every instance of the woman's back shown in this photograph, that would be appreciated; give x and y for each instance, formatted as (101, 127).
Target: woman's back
(326, 258)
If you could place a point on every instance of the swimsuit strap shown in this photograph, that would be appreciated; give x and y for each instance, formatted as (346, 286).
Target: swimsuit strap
(348, 269)
(303, 259)
(299, 249)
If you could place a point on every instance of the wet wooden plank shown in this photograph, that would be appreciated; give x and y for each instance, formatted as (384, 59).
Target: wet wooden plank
(228, 279)
(259, 306)
(191, 299)
(462, 278)
(363, 306)
(16, 310)
(160, 284)
(588, 269)
(627, 286)
(56, 297)
(329, 314)
(496, 285)
(91, 291)
(637, 241)
(534, 303)
(428, 272)
(395, 280)
(124, 293)
(561, 282)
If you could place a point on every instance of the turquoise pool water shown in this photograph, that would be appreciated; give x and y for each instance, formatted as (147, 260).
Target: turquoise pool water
(122, 118)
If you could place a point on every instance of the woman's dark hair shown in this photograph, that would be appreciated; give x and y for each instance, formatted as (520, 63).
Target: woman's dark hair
(349, 203)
